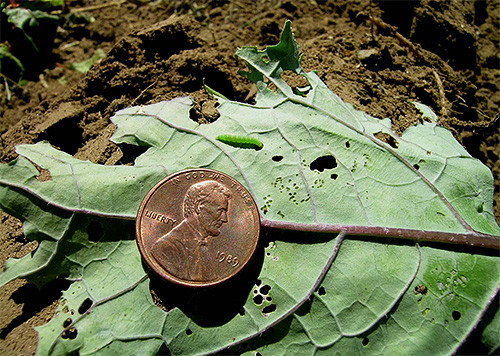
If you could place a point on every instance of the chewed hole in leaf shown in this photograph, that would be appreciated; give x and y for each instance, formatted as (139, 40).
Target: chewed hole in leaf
(365, 341)
(265, 289)
(347, 144)
(204, 111)
(258, 299)
(95, 231)
(44, 174)
(385, 137)
(269, 309)
(258, 283)
(322, 163)
(67, 323)
(189, 332)
(269, 298)
(334, 176)
(421, 289)
(302, 91)
(241, 141)
(71, 333)
(85, 306)
(321, 291)
(277, 158)
(456, 315)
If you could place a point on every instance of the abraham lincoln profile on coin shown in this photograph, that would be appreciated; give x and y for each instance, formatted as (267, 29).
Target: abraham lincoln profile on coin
(185, 251)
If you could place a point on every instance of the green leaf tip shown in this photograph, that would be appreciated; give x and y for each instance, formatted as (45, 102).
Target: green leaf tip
(274, 60)
(287, 51)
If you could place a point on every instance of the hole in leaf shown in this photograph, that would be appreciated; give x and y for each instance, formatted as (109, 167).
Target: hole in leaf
(44, 174)
(416, 166)
(302, 91)
(67, 323)
(347, 144)
(258, 283)
(421, 289)
(334, 176)
(95, 231)
(321, 290)
(277, 158)
(456, 315)
(385, 137)
(86, 304)
(258, 299)
(242, 312)
(269, 298)
(195, 113)
(322, 163)
(265, 289)
(269, 309)
(71, 333)
(189, 332)
(365, 341)
(258, 354)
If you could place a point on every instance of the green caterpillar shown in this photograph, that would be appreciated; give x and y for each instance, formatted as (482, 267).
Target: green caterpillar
(240, 141)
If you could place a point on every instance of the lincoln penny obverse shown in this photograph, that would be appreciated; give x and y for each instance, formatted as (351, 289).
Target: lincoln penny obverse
(198, 227)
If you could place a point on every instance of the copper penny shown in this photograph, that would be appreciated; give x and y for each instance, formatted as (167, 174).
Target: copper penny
(198, 227)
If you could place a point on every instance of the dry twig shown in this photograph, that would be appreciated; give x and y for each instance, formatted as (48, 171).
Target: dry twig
(393, 31)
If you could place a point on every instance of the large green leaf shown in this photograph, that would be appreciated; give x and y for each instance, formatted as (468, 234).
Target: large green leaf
(79, 186)
(323, 166)
(425, 321)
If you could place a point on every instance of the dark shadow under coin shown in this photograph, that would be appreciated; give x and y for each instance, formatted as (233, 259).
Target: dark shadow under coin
(210, 306)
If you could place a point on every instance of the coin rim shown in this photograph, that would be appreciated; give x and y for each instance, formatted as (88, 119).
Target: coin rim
(164, 273)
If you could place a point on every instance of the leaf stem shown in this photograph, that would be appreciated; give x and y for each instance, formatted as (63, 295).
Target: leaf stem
(472, 238)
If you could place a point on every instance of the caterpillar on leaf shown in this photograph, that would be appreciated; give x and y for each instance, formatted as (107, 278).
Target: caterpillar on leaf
(240, 141)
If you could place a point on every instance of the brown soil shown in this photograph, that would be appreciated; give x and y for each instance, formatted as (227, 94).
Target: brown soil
(443, 54)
